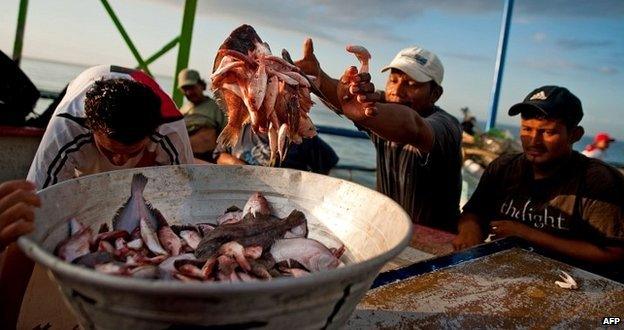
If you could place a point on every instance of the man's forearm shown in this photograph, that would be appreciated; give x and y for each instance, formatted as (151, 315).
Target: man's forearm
(401, 124)
(580, 250)
(329, 87)
(227, 159)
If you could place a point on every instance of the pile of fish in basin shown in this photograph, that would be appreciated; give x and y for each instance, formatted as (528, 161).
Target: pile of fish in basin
(363, 228)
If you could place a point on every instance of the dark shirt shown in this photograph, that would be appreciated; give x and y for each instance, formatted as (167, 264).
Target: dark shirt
(312, 154)
(426, 185)
(583, 201)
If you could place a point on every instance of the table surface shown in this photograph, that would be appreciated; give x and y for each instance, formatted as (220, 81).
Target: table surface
(508, 289)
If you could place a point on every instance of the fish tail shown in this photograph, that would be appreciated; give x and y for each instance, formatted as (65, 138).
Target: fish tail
(139, 181)
(228, 137)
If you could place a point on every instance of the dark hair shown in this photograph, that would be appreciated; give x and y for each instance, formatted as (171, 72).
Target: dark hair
(125, 110)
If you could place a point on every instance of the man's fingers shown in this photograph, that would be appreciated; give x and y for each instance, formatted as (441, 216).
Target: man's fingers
(10, 186)
(371, 98)
(308, 48)
(17, 196)
(16, 212)
(363, 77)
(362, 88)
(14, 230)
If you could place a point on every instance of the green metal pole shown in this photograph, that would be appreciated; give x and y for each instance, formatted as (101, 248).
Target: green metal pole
(185, 46)
(165, 49)
(125, 36)
(19, 33)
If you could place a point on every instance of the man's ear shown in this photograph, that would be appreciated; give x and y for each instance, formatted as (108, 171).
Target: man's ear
(436, 92)
(576, 134)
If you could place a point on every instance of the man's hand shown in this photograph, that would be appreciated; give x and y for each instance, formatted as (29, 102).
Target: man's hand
(467, 238)
(17, 216)
(470, 233)
(309, 63)
(357, 95)
(505, 228)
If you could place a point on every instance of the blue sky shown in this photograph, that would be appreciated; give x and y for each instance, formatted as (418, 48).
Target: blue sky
(577, 44)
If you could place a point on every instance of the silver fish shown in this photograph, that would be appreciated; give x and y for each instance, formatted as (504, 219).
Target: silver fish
(310, 253)
(76, 245)
(191, 238)
(148, 233)
(135, 208)
(169, 240)
(257, 205)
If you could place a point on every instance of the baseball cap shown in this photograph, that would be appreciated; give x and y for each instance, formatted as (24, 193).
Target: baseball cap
(419, 64)
(553, 102)
(603, 136)
(188, 77)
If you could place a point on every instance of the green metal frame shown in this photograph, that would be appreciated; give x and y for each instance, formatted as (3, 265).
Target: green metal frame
(186, 36)
(19, 33)
(183, 41)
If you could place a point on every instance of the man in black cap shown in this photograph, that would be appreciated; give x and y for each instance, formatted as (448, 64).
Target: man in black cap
(549, 195)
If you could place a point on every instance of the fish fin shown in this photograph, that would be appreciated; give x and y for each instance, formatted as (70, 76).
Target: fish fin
(117, 216)
(228, 137)
(232, 208)
(139, 181)
(160, 219)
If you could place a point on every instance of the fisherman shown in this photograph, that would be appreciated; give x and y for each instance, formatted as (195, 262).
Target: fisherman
(204, 120)
(551, 196)
(598, 149)
(418, 144)
(110, 118)
(312, 154)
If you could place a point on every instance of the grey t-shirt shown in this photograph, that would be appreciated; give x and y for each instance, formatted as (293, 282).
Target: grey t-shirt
(426, 185)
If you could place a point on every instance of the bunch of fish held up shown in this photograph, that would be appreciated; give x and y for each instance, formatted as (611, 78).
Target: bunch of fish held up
(269, 92)
(243, 245)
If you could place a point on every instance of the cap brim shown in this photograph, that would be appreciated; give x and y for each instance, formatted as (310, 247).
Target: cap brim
(518, 108)
(413, 71)
(186, 83)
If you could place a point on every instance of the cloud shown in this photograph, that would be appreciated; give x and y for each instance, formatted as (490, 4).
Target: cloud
(573, 43)
(539, 37)
(345, 20)
(608, 70)
(559, 66)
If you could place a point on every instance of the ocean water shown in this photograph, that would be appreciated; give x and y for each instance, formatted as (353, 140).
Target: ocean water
(53, 76)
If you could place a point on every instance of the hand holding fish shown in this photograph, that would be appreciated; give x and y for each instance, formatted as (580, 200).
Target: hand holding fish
(17, 201)
(357, 94)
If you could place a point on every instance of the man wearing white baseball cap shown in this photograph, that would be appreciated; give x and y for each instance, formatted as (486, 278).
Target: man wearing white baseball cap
(417, 143)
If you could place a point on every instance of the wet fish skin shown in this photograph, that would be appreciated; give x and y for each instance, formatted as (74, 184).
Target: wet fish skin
(313, 255)
(230, 217)
(129, 215)
(254, 231)
(257, 205)
(235, 250)
(150, 238)
(76, 245)
(95, 258)
(169, 240)
(191, 238)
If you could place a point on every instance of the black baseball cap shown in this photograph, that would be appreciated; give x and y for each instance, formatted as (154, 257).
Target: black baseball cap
(554, 102)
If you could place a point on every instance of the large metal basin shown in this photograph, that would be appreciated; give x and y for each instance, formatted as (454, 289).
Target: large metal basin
(372, 226)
